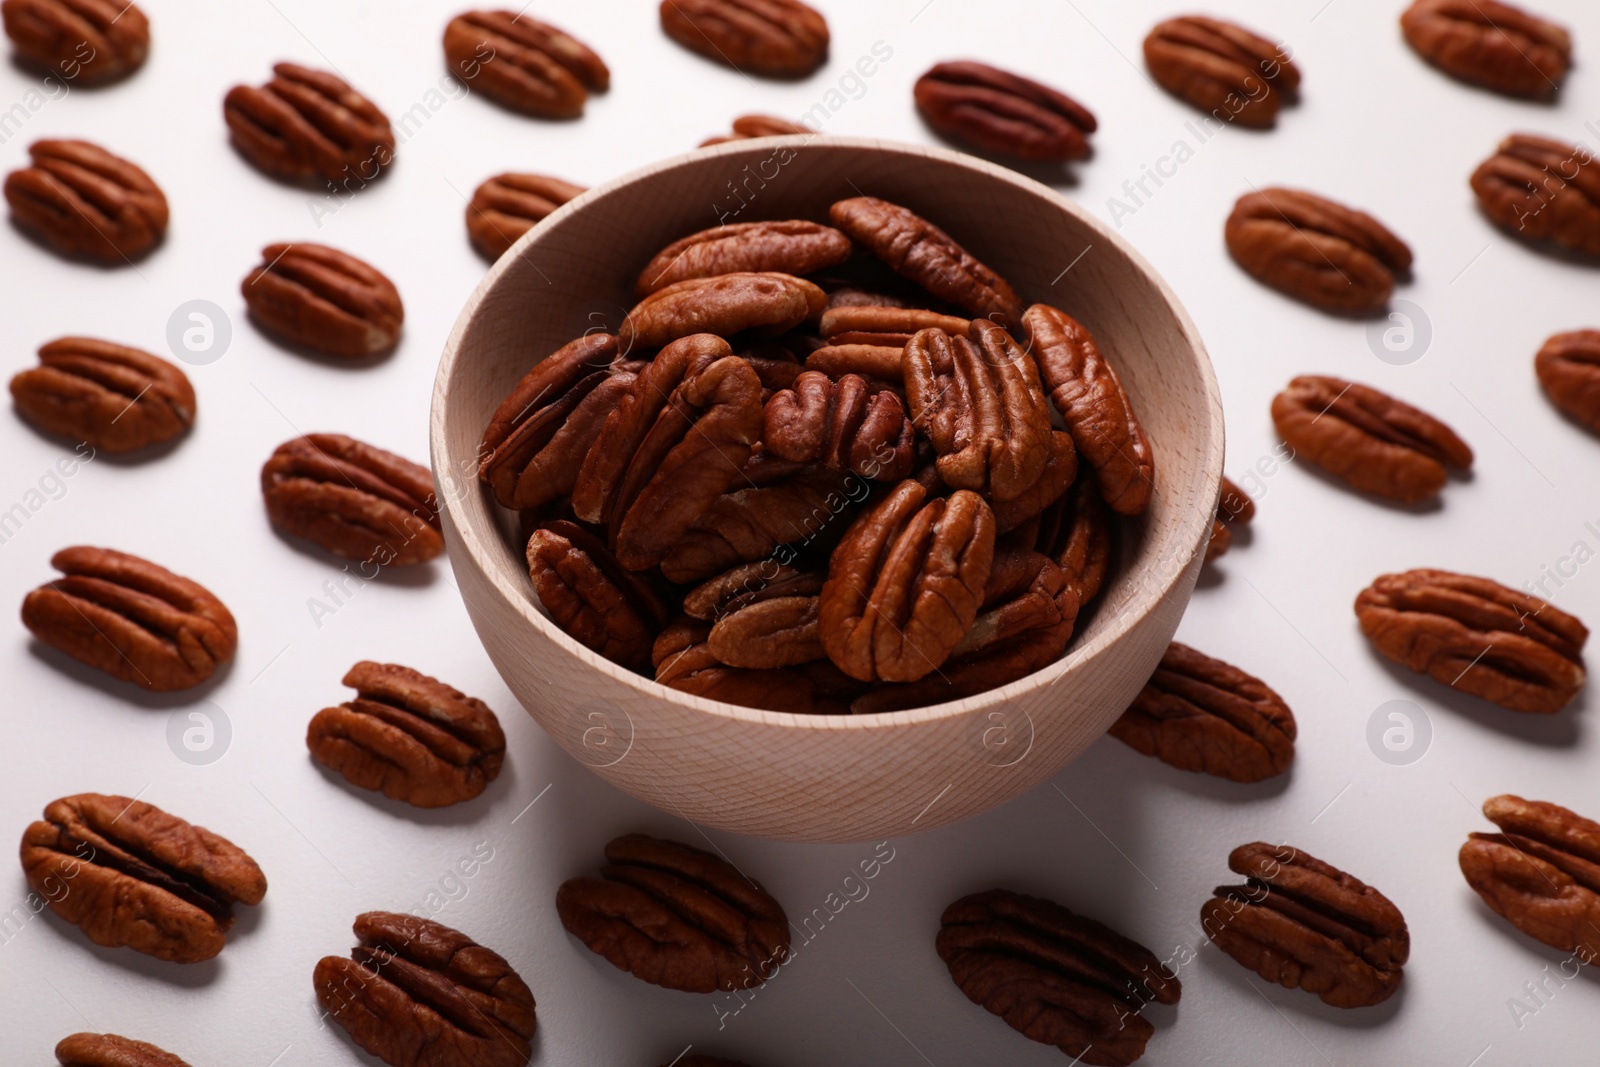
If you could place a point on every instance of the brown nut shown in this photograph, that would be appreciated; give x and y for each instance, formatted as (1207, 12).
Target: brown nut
(588, 594)
(997, 111)
(354, 500)
(1542, 191)
(109, 1050)
(1055, 976)
(882, 325)
(747, 127)
(416, 993)
(1541, 873)
(118, 399)
(791, 247)
(768, 633)
(1201, 714)
(765, 301)
(1477, 636)
(132, 619)
(1233, 506)
(307, 124)
(1305, 924)
(507, 206)
(324, 300)
(524, 64)
(684, 661)
(1222, 68)
(85, 42)
(1568, 366)
(1491, 44)
(1368, 439)
(1059, 471)
(842, 425)
(677, 917)
(771, 38)
(130, 875)
(874, 363)
(86, 202)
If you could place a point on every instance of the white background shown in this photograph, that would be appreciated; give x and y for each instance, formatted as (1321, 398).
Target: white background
(1124, 839)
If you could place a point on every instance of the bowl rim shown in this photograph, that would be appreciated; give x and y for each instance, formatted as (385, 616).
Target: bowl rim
(1152, 593)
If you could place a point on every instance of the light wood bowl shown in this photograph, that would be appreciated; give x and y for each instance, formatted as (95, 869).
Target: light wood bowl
(828, 778)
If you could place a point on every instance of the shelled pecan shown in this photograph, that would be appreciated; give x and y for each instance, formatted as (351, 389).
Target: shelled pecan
(842, 425)
(591, 597)
(883, 325)
(524, 64)
(747, 127)
(1222, 68)
(116, 398)
(1060, 468)
(86, 202)
(1568, 366)
(92, 1049)
(764, 301)
(307, 124)
(880, 365)
(998, 111)
(684, 661)
(1491, 44)
(86, 42)
(1542, 191)
(1541, 872)
(508, 205)
(325, 300)
(790, 247)
(772, 38)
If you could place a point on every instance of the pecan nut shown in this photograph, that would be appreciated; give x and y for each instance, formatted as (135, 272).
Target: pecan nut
(1234, 506)
(524, 64)
(768, 633)
(132, 619)
(843, 425)
(87, 42)
(766, 301)
(507, 206)
(997, 111)
(1491, 44)
(409, 737)
(1542, 191)
(772, 38)
(879, 365)
(324, 300)
(1541, 872)
(883, 326)
(792, 246)
(1477, 636)
(1201, 714)
(117, 399)
(1056, 977)
(110, 1050)
(354, 500)
(918, 250)
(677, 917)
(416, 993)
(1568, 366)
(684, 661)
(86, 202)
(306, 124)
(1368, 439)
(748, 127)
(1305, 924)
(1222, 68)
(130, 875)
(598, 604)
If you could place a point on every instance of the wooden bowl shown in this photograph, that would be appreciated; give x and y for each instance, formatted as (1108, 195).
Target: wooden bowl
(828, 778)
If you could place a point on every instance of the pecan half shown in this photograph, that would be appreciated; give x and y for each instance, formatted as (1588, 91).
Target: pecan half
(86, 202)
(772, 38)
(745, 584)
(117, 399)
(416, 993)
(1060, 468)
(916, 249)
(766, 301)
(508, 205)
(586, 591)
(841, 424)
(352, 499)
(1541, 873)
(1201, 714)
(409, 736)
(1316, 251)
(1233, 506)
(1076, 533)
(881, 325)
(1568, 366)
(677, 917)
(1542, 191)
(684, 661)
(1055, 976)
(768, 633)
(1491, 44)
(1477, 636)
(792, 246)
(523, 64)
(997, 111)
(748, 127)
(1305, 924)
(87, 42)
(132, 619)
(322, 299)
(1222, 68)
(306, 124)
(130, 875)
(1368, 439)
(877, 364)
(109, 1050)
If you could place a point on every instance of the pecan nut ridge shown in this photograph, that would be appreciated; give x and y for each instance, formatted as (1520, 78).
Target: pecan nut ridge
(87, 203)
(324, 300)
(792, 246)
(508, 205)
(1490, 44)
(1005, 113)
(1544, 192)
(771, 38)
(1541, 872)
(591, 597)
(115, 398)
(523, 64)
(307, 124)
(1568, 367)
(842, 424)
(1218, 67)
(87, 42)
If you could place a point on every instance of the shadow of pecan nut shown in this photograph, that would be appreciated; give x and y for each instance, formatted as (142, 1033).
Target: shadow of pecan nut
(1201, 714)
(86, 42)
(416, 993)
(87, 203)
(130, 875)
(1543, 192)
(997, 111)
(771, 38)
(1368, 439)
(1490, 44)
(117, 399)
(305, 125)
(747, 127)
(523, 64)
(1541, 872)
(767, 302)
(1055, 976)
(132, 619)
(324, 300)
(110, 1050)
(508, 205)
(1568, 366)
(1477, 636)
(356, 501)
(677, 917)
(843, 425)
(1318, 252)
(591, 597)
(1221, 68)
(792, 247)
(409, 737)
(684, 661)
(1305, 924)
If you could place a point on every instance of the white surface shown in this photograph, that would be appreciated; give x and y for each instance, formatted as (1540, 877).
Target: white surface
(1118, 837)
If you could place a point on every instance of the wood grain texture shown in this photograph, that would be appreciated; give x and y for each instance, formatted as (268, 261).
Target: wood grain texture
(828, 778)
